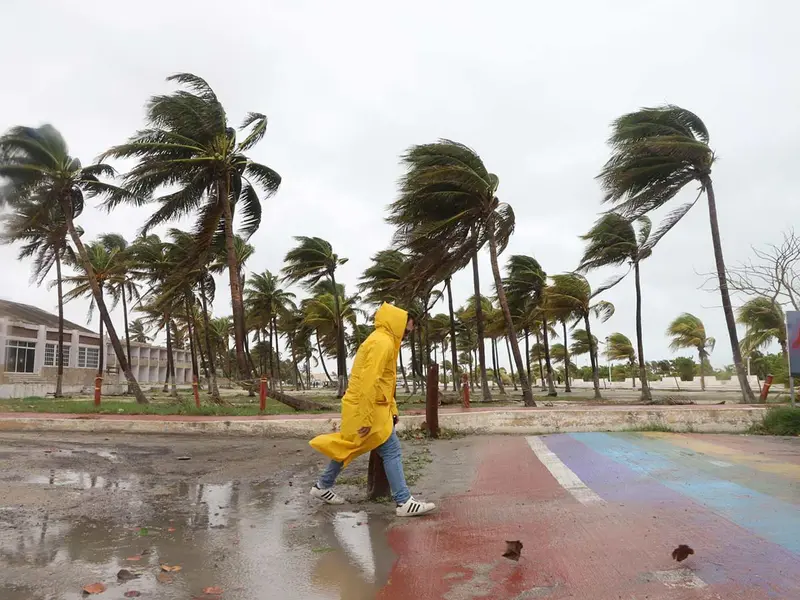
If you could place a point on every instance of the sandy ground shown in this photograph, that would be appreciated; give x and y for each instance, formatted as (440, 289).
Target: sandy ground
(77, 509)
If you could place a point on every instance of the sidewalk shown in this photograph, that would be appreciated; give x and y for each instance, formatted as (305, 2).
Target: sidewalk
(481, 420)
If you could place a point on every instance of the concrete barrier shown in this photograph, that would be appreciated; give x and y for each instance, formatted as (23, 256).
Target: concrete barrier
(728, 419)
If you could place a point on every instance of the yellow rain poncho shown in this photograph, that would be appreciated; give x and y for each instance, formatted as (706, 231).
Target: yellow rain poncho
(369, 401)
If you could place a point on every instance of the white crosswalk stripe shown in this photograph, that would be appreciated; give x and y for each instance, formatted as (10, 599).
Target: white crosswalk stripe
(563, 474)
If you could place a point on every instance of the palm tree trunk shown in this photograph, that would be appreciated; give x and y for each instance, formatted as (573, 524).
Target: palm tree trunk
(495, 367)
(633, 374)
(527, 394)
(444, 364)
(511, 363)
(541, 364)
(422, 361)
(67, 211)
(171, 369)
(528, 354)
(453, 349)
(567, 388)
(747, 393)
(60, 376)
(341, 355)
(480, 325)
(322, 360)
(127, 329)
(646, 396)
(593, 359)
(277, 352)
(403, 371)
(237, 303)
(251, 392)
(102, 355)
(271, 350)
(213, 388)
(702, 374)
(551, 388)
(413, 364)
(169, 352)
(297, 381)
(192, 348)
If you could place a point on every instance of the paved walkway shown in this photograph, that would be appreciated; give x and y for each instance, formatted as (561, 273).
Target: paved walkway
(600, 514)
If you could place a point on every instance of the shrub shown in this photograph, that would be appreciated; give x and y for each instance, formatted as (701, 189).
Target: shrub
(781, 420)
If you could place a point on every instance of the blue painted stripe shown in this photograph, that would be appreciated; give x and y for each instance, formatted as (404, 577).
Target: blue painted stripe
(765, 516)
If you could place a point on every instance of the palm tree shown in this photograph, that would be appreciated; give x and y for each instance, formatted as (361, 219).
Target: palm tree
(139, 332)
(765, 322)
(688, 331)
(656, 152)
(448, 205)
(572, 291)
(564, 314)
(43, 237)
(267, 301)
(581, 344)
(614, 241)
(310, 262)
(619, 347)
(190, 148)
(35, 166)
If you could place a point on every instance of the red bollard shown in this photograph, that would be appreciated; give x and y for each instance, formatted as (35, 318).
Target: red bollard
(263, 394)
(98, 388)
(765, 389)
(195, 389)
(465, 390)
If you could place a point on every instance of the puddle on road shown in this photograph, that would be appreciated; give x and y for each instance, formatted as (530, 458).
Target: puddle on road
(254, 540)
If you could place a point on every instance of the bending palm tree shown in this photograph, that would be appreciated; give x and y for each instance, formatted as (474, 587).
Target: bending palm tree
(35, 166)
(189, 147)
(572, 291)
(44, 237)
(688, 331)
(655, 153)
(139, 332)
(309, 263)
(613, 241)
(448, 206)
(765, 322)
(620, 348)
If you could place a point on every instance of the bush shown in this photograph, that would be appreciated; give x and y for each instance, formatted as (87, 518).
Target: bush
(781, 420)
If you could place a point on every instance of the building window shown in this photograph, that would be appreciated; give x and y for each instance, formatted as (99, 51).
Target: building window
(50, 355)
(88, 358)
(20, 356)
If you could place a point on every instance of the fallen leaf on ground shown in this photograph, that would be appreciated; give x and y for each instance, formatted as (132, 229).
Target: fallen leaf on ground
(143, 531)
(184, 458)
(126, 575)
(682, 552)
(213, 590)
(171, 569)
(134, 558)
(132, 594)
(513, 550)
(94, 588)
(171, 529)
(164, 578)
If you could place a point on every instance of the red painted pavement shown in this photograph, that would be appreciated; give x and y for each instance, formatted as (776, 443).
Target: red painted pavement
(596, 552)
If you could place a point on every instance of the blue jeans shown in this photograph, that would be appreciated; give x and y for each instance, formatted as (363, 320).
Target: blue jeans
(392, 456)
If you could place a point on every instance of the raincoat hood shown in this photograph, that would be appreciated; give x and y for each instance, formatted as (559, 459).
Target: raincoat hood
(392, 319)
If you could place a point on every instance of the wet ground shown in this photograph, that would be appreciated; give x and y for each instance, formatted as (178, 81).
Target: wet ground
(598, 515)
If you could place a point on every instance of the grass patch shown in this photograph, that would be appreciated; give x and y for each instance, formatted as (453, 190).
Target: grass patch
(182, 406)
(356, 480)
(781, 420)
(648, 427)
(414, 464)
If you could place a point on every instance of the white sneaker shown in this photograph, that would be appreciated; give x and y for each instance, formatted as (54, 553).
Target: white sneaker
(415, 508)
(327, 496)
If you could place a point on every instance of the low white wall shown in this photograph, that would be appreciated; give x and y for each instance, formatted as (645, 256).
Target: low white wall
(668, 384)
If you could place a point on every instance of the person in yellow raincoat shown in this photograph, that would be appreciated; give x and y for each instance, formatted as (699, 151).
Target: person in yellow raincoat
(369, 415)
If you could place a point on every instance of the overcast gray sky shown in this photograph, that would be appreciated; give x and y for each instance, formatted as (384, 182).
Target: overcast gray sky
(347, 86)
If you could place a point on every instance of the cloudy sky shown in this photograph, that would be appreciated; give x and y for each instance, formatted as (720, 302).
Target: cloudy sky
(347, 86)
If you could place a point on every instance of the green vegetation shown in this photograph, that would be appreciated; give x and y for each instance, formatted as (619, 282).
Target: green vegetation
(780, 420)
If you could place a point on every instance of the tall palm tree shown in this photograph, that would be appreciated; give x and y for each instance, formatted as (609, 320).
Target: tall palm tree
(572, 291)
(310, 262)
(265, 299)
(44, 237)
(614, 241)
(581, 344)
(35, 166)
(687, 331)
(765, 323)
(190, 151)
(564, 313)
(619, 347)
(656, 152)
(448, 204)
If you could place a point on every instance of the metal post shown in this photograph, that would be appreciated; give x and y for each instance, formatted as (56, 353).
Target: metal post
(262, 394)
(98, 388)
(765, 388)
(791, 390)
(465, 390)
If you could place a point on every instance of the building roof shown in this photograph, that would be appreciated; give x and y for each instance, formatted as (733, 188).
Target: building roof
(36, 316)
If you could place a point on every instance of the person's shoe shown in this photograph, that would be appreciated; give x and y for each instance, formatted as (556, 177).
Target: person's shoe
(327, 496)
(415, 508)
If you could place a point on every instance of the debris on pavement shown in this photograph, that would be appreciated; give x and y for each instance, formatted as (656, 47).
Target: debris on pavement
(682, 552)
(94, 588)
(513, 550)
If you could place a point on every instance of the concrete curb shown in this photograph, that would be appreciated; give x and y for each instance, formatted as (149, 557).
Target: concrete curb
(727, 419)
